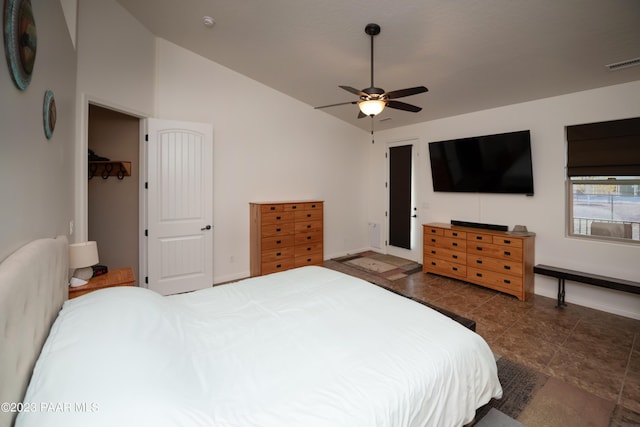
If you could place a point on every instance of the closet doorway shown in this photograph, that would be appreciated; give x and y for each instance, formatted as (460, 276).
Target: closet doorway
(114, 202)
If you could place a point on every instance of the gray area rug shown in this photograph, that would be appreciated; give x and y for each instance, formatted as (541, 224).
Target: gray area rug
(495, 418)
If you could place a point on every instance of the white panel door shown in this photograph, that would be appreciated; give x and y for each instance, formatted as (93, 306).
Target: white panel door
(179, 206)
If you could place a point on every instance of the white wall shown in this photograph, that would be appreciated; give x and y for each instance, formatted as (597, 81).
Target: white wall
(267, 147)
(35, 173)
(545, 212)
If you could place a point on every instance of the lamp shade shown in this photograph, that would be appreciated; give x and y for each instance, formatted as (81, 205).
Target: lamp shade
(83, 254)
(372, 107)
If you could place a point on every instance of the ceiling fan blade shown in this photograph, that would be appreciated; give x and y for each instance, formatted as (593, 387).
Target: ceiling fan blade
(353, 90)
(335, 105)
(406, 92)
(403, 106)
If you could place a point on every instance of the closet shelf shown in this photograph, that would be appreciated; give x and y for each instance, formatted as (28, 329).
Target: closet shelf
(105, 169)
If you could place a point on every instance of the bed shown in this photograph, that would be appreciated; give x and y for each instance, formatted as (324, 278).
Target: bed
(305, 347)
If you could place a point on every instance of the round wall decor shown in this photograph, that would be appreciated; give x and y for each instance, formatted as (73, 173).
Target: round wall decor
(20, 40)
(49, 114)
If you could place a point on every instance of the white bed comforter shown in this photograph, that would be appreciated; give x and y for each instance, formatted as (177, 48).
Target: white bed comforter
(306, 347)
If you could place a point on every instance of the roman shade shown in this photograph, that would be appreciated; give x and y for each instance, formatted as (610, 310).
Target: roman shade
(604, 149)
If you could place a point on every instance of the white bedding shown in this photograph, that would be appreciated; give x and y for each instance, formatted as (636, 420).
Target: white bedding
(305, 347)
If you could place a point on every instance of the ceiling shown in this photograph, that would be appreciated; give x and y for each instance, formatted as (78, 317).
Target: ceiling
(471, 54)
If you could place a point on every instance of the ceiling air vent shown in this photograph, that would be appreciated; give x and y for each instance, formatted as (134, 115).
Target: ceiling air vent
(624, 64)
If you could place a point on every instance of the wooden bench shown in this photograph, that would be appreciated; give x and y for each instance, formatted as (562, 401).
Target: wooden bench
(563, 274)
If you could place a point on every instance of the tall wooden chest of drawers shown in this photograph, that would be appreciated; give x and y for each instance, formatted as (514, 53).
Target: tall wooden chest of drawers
(493, 259)
(286, 235)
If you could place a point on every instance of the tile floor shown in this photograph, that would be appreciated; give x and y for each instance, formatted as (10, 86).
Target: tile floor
(593, 353)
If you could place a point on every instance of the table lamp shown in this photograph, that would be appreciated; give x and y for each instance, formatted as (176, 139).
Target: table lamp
(81, 257)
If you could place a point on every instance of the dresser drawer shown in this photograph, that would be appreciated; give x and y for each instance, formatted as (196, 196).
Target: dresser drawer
(277, 217)
(479, 237)
(446, 243)
(275, 266)
(456, 234)
(301, 250)
(308, 226)
(270, 230)
(310, 237)
(309, 259)
(446, 268)
(273, 255)
(493, 279)
(495, 251)
(275, 207)
(313, 206)
(510, 267)
(432, 231)
(308, 215)
(445, 254)
(275, 242)
(293, 206)
(507, 241)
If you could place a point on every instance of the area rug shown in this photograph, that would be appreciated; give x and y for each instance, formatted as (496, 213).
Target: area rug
(519, 385)
(388, 267)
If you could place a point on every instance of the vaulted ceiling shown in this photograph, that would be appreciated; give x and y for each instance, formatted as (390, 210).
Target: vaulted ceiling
(471, 54)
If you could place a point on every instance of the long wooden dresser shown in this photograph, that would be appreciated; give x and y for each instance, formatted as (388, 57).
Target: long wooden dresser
(286, 235)
(494, 259)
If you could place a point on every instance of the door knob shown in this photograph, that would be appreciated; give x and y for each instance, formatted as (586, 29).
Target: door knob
(208, 227)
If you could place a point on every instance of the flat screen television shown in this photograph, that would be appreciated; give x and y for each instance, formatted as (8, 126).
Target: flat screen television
(498, 163)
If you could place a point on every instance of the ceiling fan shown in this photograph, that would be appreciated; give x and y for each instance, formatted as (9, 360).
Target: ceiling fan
(373, 100)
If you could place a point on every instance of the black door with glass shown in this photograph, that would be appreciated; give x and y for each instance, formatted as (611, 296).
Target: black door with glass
(400, 196)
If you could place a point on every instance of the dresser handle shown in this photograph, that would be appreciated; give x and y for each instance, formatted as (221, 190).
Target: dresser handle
(433, 263)
(313, 206)
(294, 207)
(479, 248)
(278, 242)
(308, 237)
(507, 242)
(454, 268)
(454, 244)
(455, 234)
(507, 267)
(507, 253)
(507, 281)
(478, 261)
(309, 226)
(273, 208)
(479, 274)
(279, 254)
(454, 256)
(308, 259)
(278, 229)
(433, 240)
(434, 231)
(308, 215)
(279, 266)
(308, 249)
(433, 252)
(278, 217)
(478, 237)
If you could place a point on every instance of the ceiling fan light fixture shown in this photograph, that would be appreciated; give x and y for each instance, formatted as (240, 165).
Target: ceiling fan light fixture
(372, 107)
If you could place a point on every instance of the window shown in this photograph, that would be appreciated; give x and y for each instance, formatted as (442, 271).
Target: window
(604, 207)
(603, 170)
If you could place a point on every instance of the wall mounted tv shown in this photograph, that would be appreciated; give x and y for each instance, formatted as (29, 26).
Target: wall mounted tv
(484, 164)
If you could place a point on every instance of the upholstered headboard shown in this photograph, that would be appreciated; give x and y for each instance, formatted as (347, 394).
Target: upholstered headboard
(33, 287)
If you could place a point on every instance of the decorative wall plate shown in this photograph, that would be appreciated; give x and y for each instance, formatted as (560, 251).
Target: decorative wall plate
(49, 114)
(20, 40)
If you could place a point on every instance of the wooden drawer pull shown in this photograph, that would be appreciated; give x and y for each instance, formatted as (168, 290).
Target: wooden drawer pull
(478, 261)
(433, 252)
(278, 229)
(479, 274)
(479, 248)
(507, 253)
(308, 215)
(308, 249)
(433, 240)
(309, 226)
(279, 254)
(454, 268)
(478, 237)
(454, 256)
(507, 281)
(433, 263)
(455, 244)
(308, 237)
(294, 207)
(454, 234)
(278, 217)
(434, 231)
(507, 242)
(278, 242)
(507, 267)
(273, 208)
(308, 259)
(279, 266)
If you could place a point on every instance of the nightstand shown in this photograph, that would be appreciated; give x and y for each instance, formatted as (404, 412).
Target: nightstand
(119, 277)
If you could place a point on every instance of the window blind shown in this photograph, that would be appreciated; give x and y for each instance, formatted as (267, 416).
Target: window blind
(604, 149)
